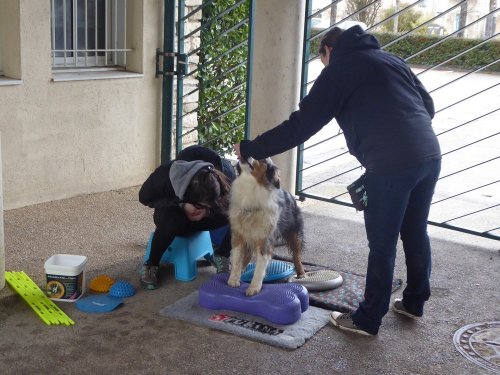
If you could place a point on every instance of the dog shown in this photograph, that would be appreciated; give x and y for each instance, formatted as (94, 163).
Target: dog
(259, 213)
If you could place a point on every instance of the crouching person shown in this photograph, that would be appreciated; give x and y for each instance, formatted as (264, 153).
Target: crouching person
(189, 194)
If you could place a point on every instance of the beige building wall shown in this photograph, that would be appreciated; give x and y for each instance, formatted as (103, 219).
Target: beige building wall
(62, 139)
(277, 62)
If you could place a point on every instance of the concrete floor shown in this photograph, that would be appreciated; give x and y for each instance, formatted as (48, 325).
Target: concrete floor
(112, 229)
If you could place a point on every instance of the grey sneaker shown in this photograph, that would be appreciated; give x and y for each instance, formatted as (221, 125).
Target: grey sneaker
(149, 277)
(344, 321)
(400, 308)
(221, 264)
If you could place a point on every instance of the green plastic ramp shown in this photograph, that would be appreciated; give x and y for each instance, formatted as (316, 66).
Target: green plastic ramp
(47, 310)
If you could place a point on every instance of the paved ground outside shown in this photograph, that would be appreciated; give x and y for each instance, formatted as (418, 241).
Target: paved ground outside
(112, 229)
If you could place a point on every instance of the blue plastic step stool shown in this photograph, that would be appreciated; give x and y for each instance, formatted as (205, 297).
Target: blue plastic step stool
(184, 252)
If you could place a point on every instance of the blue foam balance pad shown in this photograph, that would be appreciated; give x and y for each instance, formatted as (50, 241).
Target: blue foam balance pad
(276, 270)
(281, 303)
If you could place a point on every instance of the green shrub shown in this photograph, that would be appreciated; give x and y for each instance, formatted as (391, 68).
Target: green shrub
(478, 57)
(222, 75)
(406, 21)
(412, 44)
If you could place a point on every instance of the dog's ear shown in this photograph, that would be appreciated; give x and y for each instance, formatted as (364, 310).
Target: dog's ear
(277, 180)
(254, 163)
(238, 168)
(272, 174)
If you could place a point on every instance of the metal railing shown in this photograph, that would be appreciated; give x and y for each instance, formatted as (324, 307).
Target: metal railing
(213, 96)
(467, 120)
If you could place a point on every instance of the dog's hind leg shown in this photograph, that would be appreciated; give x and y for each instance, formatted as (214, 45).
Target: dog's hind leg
(263, 257)
(247, 257)
(295, 243)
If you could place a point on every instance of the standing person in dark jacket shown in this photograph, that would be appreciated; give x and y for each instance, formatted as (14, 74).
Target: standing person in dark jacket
(386, 117)
(189, 194)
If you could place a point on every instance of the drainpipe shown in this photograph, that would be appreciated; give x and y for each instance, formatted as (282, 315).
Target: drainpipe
(168, 80)
(2, 246)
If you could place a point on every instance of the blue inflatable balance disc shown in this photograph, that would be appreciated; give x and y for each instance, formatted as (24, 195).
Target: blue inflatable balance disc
(276, 270)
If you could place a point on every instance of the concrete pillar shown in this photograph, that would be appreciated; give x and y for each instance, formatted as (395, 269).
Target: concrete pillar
(277, 61)
(2, 247)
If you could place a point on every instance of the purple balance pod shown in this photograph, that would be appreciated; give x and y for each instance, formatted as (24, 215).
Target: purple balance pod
(281, 303)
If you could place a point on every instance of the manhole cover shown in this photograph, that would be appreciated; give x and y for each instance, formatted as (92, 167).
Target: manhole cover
(480, 343)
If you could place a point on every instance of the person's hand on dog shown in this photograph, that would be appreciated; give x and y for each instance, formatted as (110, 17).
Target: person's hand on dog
(236, 148)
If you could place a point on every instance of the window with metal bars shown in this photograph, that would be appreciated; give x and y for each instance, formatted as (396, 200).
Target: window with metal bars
(89, 33)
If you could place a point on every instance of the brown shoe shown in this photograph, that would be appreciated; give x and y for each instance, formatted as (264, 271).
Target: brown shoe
(399, 307)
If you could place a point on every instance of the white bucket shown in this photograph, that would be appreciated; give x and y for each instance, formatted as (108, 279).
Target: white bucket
(65, 277)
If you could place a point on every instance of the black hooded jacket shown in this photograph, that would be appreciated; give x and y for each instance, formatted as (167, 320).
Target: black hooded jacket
(382, 108)
(157, 191)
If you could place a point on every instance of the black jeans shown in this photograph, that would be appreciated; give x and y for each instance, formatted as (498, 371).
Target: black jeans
(172, 222)
(398, 204)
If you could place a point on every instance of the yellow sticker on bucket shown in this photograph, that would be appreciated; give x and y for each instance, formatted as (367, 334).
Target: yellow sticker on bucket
(47, 310)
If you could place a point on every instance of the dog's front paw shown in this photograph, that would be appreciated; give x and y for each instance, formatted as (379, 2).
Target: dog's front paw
(252, 291)
(300, 276)
(233, 282)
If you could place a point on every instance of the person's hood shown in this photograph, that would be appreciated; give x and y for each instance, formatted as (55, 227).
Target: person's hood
(354, 39)
(182, 172)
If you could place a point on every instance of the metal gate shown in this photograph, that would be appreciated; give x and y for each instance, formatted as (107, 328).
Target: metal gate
(210, 63)
(454, 49)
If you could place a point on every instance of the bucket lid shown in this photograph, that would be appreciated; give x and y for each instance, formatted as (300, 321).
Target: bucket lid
(65, 262)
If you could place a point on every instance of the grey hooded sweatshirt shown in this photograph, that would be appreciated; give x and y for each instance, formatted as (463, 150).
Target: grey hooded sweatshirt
(167, 185)
(182, 172)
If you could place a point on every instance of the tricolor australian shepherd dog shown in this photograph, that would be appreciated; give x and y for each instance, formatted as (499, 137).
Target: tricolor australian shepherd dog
(260, 212)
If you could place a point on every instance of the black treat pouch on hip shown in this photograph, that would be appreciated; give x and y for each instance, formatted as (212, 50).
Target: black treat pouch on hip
(358, 193)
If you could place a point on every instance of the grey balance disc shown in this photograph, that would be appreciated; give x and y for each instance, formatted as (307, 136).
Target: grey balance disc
(318, 281)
